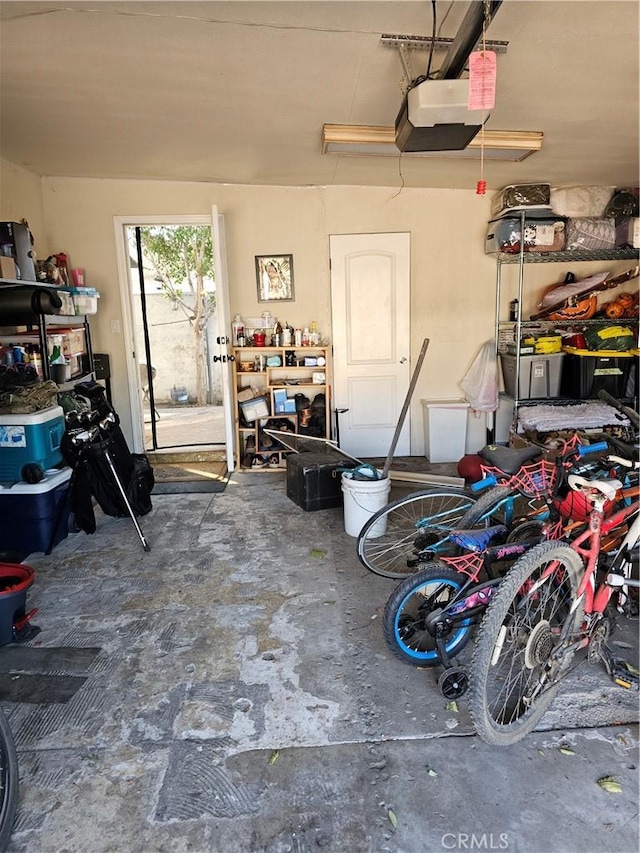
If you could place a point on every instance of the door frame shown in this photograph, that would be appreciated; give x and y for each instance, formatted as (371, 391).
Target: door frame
(120, 223)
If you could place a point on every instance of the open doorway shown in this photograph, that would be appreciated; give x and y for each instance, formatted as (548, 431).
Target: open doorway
(173, 314)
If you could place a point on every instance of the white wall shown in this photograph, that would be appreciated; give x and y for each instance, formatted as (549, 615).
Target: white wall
(21, 198)
(452, 280)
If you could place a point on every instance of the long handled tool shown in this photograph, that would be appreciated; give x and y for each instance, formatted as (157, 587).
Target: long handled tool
(123, 495)
(405, 407)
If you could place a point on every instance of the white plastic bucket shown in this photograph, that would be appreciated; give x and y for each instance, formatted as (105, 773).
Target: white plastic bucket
(363, 498)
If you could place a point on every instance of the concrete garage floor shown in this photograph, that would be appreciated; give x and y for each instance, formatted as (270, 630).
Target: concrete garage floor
(240, 697)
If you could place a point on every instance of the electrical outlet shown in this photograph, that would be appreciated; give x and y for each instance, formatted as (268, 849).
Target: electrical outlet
(115, 327)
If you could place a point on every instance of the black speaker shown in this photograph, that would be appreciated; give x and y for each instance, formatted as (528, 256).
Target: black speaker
(101, 366)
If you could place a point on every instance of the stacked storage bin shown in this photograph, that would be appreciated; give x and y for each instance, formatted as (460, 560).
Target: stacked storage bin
(607, 365)
(32, 512)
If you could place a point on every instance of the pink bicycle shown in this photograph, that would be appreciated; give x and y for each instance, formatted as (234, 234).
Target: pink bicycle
(558, 598)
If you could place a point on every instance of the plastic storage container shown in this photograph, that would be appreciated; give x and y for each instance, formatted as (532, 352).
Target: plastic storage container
(540, 375)
(254, 409)
(517, 196)
(312, 481)
(31, 514)
(445, 429)
(30, 439)
(544, 234)
(585, 372)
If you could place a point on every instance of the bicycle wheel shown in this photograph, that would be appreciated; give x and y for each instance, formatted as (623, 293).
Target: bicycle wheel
(488, 509)
(414, 529)
(8, 781)
(404, 621)
(520, 655)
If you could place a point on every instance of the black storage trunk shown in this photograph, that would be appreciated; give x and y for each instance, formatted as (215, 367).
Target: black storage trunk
(310, 479)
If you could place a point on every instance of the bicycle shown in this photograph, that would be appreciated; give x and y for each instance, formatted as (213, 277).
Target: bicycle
(429, 617)
(415, 529)
(554, 601)
(9, 781)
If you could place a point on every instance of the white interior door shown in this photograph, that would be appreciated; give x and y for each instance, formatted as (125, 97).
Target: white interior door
(370, 286)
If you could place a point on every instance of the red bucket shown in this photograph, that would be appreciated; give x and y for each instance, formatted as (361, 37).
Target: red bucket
(15, 580)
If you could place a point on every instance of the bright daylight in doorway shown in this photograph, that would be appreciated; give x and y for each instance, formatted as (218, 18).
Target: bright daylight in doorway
(173, 301)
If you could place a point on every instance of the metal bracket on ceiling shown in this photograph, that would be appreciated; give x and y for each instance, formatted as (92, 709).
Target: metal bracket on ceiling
(407, 44)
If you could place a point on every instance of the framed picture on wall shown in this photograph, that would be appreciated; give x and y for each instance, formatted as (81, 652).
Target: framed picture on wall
(274, 275)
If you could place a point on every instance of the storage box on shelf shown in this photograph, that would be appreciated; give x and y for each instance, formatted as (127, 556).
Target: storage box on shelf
(267, 380)
(540, 375)
(586, 372)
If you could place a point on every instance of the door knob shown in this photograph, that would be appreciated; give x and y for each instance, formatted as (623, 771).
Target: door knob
(403, 360)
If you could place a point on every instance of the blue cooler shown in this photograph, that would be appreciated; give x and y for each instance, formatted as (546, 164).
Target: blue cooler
(29, 513)
(30, 439)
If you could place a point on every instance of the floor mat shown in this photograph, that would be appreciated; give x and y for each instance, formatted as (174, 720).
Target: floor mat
(43, 676)
(180, 477)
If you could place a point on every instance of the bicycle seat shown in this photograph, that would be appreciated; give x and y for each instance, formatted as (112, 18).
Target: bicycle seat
(509, 459)
(477, 539)
(607, 488)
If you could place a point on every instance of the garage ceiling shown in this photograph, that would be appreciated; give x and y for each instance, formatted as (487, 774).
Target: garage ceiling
(237, 92)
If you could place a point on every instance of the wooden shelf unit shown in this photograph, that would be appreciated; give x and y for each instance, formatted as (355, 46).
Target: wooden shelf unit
(271, 383)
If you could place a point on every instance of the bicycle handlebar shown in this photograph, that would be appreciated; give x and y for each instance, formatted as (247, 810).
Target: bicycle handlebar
(598, 447)
(483, 484)
(625, 410)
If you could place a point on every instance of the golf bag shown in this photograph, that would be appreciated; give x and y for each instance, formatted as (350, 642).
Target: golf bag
(103, 467)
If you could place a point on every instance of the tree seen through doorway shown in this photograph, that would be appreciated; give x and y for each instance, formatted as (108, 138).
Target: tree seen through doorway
(182, 260)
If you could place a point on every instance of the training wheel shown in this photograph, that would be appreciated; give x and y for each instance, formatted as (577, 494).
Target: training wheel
(453, 683)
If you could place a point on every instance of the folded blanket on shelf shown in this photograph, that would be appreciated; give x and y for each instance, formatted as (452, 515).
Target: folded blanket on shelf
(547, 418)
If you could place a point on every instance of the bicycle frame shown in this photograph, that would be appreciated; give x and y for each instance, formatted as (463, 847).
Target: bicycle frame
(596, 598)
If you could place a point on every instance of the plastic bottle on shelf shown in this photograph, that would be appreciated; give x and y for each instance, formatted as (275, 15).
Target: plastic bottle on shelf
(297, 337)
(305, 337)
(36, 359)
(237, 329)
(56, 356)
(314, 336)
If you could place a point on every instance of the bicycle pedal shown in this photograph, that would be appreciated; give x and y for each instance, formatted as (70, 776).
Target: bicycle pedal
(624, 675)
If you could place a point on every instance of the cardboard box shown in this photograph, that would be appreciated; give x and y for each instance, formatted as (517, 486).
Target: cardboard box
(7, 267)
(247, 394)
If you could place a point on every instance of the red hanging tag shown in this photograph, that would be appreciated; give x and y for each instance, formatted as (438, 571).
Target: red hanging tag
(482, 80)
(481, 187)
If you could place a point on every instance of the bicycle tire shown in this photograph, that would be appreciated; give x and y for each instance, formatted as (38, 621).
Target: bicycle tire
(9, 781)
(408, 605)
(407, 531)
(481, 510)
(515, 642)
